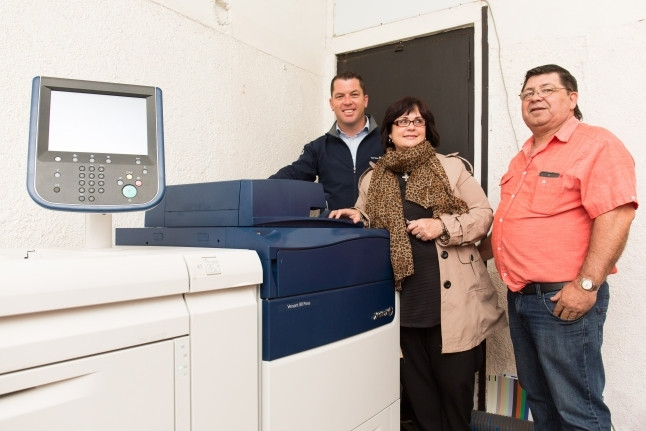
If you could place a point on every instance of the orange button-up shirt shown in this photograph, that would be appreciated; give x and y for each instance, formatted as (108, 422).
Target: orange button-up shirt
(549, 200)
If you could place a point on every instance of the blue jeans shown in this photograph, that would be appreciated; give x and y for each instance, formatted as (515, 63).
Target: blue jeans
(559, 362)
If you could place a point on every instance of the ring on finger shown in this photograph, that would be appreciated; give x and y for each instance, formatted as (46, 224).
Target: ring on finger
(419, 236)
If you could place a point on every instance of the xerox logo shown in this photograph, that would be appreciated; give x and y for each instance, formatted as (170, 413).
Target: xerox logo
(383, 313)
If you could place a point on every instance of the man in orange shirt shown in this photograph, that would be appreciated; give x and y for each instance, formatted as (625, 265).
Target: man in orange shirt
(567, 203)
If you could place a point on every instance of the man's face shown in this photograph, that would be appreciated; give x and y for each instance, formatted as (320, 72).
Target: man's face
(546, 113)
(349, 104)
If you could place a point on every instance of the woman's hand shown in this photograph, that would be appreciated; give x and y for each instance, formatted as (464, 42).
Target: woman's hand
(351, 213)
(425, 229)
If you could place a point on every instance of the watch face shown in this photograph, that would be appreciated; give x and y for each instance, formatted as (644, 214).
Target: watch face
(587, 284)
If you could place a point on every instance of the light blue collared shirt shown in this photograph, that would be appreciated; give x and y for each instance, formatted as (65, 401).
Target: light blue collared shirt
(353, 141)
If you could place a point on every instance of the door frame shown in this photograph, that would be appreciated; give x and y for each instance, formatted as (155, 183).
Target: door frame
(469, 15)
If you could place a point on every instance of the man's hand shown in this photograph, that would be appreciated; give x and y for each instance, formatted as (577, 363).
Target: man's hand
(607, 241)
(572, 301)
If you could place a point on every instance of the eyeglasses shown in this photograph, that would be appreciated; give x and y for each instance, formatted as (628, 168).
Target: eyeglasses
(404, 122)
(542, 93)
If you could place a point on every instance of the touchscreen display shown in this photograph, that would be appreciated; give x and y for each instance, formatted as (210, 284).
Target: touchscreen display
(97, 123)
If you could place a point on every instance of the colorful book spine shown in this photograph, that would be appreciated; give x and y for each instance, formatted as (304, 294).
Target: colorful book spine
(506, 397)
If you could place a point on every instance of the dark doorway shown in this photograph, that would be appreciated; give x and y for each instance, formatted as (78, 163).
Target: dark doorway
(438, 69)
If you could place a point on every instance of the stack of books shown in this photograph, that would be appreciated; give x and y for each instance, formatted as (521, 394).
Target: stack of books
(505, 397)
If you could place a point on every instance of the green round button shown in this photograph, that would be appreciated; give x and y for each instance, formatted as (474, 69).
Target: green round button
(129, 191)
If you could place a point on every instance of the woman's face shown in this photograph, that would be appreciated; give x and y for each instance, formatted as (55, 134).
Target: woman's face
(413, 133)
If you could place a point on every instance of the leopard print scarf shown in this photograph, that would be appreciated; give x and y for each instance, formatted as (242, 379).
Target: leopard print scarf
(427, 186)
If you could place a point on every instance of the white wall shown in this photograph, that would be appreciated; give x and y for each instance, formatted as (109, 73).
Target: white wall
(246, 85)
(601, 43)
(241, 93)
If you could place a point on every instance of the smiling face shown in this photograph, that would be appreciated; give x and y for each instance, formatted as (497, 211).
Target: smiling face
(405, 137)
(349, 104)
(545, 115)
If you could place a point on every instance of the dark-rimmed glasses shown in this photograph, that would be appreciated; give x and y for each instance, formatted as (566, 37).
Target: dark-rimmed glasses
(404, 122)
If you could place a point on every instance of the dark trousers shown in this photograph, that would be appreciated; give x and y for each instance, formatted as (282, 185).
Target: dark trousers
(439, 387)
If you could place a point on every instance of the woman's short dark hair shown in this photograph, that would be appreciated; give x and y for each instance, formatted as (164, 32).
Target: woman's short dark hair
(402, 107)
(567, 80)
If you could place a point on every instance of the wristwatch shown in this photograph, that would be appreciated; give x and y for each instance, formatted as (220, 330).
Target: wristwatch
(587, 284)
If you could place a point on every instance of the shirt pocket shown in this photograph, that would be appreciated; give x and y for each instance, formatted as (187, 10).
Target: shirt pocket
(547, 195)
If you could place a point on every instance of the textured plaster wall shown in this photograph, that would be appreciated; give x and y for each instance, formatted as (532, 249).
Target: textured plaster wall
(601, 43)
(241, 93)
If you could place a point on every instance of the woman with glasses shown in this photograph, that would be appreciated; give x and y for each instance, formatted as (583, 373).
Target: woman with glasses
(435, 212)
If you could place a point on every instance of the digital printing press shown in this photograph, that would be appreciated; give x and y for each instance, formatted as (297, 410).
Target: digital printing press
(329, 333)
(231, 310)
(129, 339)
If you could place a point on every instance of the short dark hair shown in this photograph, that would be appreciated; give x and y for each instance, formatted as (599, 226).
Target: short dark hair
(402, 107)
(567, 80)
(347, 75)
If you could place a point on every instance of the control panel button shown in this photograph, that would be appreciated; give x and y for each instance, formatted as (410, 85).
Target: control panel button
(129, 191)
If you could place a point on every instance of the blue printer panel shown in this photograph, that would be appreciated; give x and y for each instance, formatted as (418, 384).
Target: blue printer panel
(299, 323)
(348, 263)
(171, 237)
(236, 203)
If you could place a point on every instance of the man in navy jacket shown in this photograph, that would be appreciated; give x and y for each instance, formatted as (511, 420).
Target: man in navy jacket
(339, 157)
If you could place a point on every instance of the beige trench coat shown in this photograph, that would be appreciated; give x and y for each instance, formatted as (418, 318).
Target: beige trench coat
(469, 308)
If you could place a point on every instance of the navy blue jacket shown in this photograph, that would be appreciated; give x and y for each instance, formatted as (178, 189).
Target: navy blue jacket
(329, 159)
